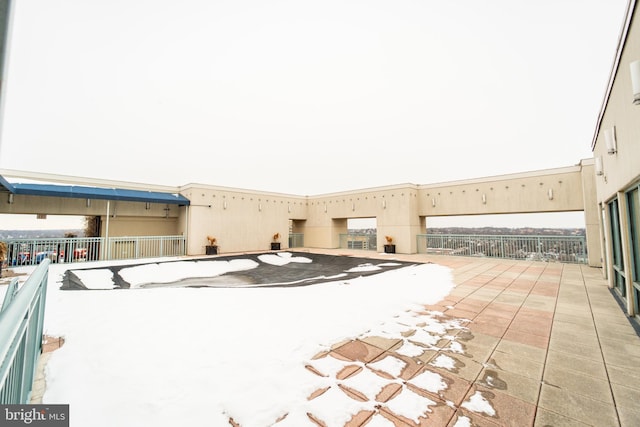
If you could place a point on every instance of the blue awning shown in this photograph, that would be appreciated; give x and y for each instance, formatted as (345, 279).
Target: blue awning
(81, 192)
(6, 184)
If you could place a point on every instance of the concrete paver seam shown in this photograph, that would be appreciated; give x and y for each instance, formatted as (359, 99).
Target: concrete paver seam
(586, 289)
(546, 354)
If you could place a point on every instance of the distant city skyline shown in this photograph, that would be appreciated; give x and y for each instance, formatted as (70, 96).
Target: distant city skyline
(536, 220)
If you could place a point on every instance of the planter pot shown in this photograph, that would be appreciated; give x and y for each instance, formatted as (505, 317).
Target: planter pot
(389, 249)
(275, 246)
(212, 250)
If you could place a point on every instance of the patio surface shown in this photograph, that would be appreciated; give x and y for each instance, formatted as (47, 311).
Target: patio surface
(546, 344)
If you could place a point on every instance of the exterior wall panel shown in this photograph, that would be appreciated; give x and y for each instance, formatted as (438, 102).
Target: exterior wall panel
(518, 193)
(137, 226)
(620, 169)
(240, 220)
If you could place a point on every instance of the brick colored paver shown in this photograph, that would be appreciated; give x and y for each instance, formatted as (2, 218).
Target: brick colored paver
(537, 348)
(527, 344)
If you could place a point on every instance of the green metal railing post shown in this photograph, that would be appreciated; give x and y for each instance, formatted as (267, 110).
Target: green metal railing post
(21, 326)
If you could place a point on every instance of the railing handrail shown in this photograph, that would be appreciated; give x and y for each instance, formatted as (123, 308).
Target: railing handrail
(30, 251)
(541, 247)
(502, 236)
(10, 293)
(21, 337)
(170, 237)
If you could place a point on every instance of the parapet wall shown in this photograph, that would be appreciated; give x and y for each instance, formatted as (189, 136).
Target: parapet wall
(246, 220)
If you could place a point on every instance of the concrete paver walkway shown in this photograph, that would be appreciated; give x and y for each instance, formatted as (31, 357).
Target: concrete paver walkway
(546, 345)
(543, 344)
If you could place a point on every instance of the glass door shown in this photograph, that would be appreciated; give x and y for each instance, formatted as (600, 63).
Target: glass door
(633, 200)
(616, 242)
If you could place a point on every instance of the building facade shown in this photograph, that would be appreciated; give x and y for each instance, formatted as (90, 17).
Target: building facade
(246, 220)
(616, 150)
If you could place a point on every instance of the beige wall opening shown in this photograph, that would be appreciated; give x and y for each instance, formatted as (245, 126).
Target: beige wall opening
(524, 220)
(41, 222)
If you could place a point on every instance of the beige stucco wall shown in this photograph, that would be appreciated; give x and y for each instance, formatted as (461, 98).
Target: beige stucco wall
(393, 207)
(552, 190)
(139, 226)
(246, 220)
(591, 214)
(514, 193)
(622, 168)
(240, 220)
(144, 219)
(50, 205)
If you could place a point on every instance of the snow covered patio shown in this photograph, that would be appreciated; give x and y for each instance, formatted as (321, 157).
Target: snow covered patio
(514, 343)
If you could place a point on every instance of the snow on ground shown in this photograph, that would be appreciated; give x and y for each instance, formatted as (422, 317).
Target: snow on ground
(282, 258)
(478, 403)
(198, 356)
(3, 291)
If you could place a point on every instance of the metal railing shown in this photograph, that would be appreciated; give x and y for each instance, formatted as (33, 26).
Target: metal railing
(296, 240)
(145, 247)
(10, 293)
(21, 323)
(569, 249)
(358, 241)
(33, 251)
(78, 249)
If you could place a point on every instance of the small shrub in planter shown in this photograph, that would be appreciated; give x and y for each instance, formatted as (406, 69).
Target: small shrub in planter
(275, 245)
(211, 248)
(389, 248)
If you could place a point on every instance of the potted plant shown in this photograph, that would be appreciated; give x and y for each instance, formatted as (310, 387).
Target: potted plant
(212, 248)
(389, 248)
(275, 245)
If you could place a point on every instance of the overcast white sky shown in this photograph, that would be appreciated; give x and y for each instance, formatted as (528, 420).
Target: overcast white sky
(304, 97)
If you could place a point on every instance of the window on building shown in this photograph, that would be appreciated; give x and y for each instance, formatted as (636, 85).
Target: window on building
(633, 200)
(616, 242)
